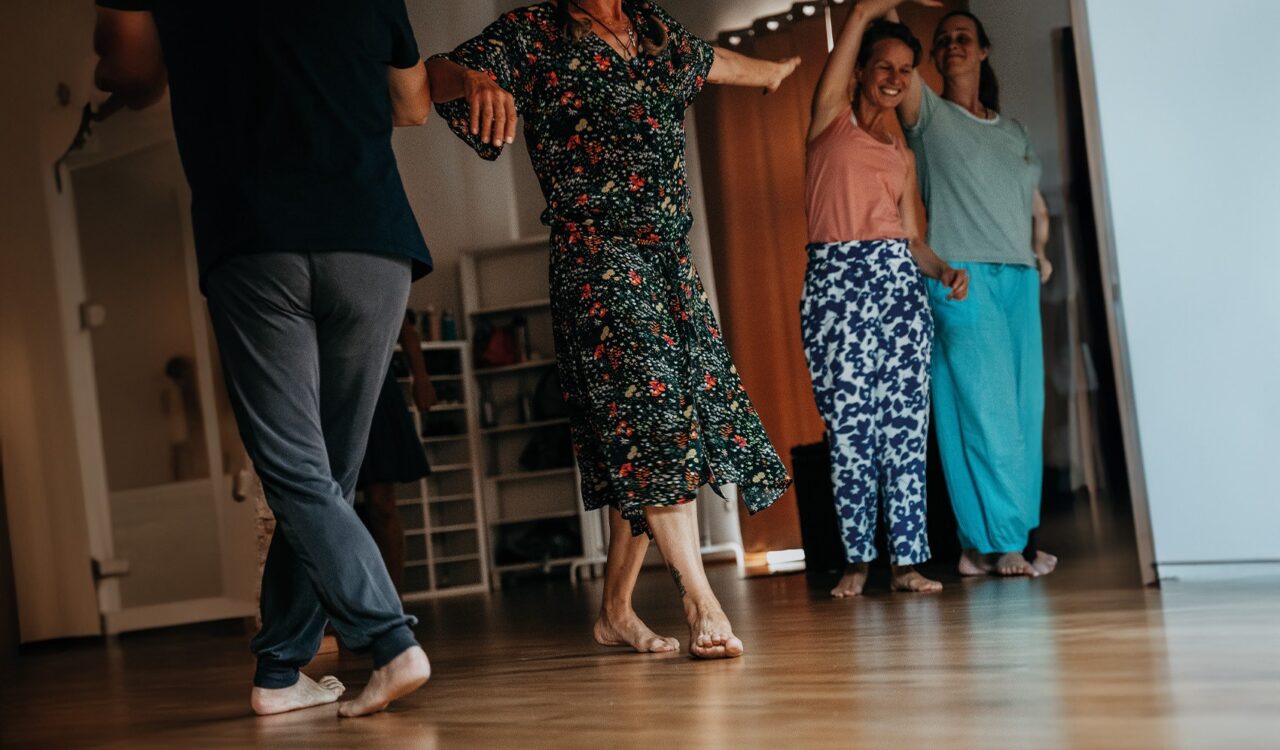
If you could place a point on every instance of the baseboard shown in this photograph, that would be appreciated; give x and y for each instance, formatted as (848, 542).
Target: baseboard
(1173, 573)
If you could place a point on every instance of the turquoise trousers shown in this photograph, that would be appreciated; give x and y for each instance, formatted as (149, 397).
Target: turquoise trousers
(988, 403)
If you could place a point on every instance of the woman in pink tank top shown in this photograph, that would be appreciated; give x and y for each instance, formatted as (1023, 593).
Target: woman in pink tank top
(865, 315)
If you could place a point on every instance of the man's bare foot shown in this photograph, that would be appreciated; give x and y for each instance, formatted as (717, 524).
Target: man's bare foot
(627, 629)
(852, 582)
(403, 675)
(710, 634)
(907, 578)
(974, 563)
(304, 693)
(1014, 564)
(1044, 563)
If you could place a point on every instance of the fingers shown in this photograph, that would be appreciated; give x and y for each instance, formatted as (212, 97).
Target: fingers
(493, 116)
(477, 103)
(497, 134)
(509, 103)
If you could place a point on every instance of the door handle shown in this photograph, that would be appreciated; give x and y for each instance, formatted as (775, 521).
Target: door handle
(109, 569)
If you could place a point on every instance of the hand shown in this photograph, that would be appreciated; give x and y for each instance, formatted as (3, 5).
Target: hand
(782, 70)
(493, 110)
(1046, 269)
(889, 8)
(957, 280)
(424, 394)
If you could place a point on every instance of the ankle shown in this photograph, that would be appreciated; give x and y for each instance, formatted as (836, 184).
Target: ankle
(702, 605)
(616, 609)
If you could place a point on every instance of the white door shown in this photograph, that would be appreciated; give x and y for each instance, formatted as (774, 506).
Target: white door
(179, 550)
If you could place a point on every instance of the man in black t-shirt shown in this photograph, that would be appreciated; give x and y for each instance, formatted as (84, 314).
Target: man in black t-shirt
(283, 112)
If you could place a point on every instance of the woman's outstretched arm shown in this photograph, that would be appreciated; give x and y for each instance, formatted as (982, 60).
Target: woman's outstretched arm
(733, 69)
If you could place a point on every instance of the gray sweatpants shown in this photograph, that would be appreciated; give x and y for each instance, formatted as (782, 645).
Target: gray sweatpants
(306, 339)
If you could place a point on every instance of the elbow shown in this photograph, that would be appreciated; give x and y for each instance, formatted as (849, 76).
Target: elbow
(136, 87)
(413, 115)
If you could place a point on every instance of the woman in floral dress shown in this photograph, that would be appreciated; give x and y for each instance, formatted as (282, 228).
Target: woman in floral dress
(657, 408)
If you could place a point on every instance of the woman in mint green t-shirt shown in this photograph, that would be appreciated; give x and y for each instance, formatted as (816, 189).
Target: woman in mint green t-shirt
(979, 178)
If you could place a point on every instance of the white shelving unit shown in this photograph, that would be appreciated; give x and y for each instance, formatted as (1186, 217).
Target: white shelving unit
(446, 549)
(535, 518)
(498, 284)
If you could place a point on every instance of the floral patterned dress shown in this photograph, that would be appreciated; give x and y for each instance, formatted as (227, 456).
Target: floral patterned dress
(656, 406)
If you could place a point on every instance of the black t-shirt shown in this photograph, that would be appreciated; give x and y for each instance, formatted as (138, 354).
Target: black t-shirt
(282, 112)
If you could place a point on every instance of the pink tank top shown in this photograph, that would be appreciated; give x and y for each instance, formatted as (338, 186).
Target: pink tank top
(854, 184)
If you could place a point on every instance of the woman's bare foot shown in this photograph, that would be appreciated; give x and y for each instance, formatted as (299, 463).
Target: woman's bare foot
(907, 578)
(974, 563)
(1014, 564)
(403, 675)
(852, 582)
(304, 693)
(710, 634)
(627, 629)
(1044, 563)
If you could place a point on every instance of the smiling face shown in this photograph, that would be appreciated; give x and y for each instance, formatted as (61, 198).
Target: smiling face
(882, 81)
(956, 50)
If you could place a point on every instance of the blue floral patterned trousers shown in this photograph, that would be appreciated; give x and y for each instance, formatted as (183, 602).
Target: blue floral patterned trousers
(867, 336)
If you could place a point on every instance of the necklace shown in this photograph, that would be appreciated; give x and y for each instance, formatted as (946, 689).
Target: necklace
(630, 48)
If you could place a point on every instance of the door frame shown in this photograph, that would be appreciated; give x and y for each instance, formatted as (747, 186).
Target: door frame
(1111, 294)
(153, 132)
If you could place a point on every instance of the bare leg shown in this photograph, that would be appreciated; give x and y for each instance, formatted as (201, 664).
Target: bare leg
(675, 529)
(852, 582)
(618, 624)
(387, 528)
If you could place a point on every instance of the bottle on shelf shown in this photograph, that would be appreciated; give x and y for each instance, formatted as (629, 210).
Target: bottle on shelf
(526, 405)
(430, 324)
(448, 326)
(488, 411)
(520, 329)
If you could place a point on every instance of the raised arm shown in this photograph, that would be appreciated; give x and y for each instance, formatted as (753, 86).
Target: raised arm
(909, 109)
(930, 264)
(733, 69)
(130, 63)
(835, 87)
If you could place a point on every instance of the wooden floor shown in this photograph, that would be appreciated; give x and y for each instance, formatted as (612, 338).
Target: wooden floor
(1083, 659)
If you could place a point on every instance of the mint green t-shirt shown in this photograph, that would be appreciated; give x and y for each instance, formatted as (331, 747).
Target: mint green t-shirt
(977, 178)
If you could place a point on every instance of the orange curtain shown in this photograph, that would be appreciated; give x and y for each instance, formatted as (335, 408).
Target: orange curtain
(753, 162)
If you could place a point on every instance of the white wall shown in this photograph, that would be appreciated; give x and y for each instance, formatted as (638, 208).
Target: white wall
(1187, 102)
(1022, 54)
(460, 200)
